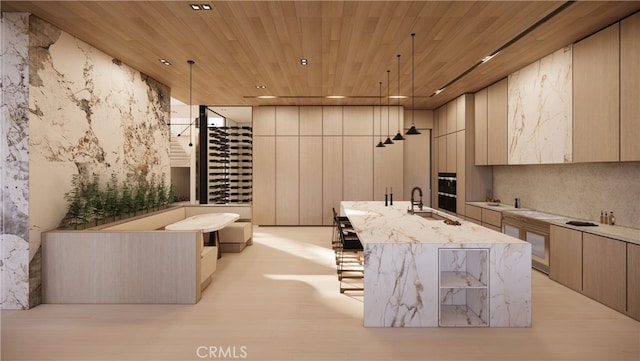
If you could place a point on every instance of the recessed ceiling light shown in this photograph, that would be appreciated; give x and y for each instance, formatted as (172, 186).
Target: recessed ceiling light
(195, 7)
(266, 97)
(303, 61)
(438, 91)
(206, 7)
(261, 87)
(335, 97)
(164, 61)
(398, 97)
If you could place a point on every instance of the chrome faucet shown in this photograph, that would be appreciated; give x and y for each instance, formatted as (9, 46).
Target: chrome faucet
(413, 201)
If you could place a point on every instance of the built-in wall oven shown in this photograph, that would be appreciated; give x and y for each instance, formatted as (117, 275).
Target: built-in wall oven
(534, 231)
(447, 191)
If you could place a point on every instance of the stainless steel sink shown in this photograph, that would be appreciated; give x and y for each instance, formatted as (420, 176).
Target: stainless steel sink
(428, 215)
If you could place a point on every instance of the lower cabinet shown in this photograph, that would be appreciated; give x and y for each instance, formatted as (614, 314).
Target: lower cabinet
(633, 280)
(604, 275)
(463, 287)
(565, 264)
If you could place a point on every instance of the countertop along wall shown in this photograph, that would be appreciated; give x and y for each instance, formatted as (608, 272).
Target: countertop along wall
(576, 190)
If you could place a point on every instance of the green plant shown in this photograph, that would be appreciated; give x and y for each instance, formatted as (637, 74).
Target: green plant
(126, 200)
(152, 194)
(140, 195)
(76, 209)
(172, 194)
(112, 207)
(162, 193)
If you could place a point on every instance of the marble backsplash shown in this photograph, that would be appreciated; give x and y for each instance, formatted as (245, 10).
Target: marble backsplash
(540, 111)
(575, 190)
(83, 112)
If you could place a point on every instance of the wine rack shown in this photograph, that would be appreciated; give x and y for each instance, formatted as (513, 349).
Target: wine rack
(230, 164)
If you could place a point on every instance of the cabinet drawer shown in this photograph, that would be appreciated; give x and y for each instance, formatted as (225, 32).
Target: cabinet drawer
(494, 218)
(604, 270)
(473, 212)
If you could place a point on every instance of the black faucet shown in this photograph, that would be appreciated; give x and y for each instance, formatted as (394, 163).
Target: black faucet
(413, 201)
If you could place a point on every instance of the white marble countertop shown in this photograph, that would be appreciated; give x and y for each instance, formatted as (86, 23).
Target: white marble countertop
(626, 234)
(375, 223)
(204, 222)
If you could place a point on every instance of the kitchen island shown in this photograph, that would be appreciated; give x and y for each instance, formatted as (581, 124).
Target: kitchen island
(422, 272)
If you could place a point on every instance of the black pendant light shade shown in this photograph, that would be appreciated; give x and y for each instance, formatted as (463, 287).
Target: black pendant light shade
(398, 136)
(413, 130)
(388, 141)
(380, 144)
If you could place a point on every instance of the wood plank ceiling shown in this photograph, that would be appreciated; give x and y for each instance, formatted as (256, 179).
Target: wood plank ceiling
(349, 44)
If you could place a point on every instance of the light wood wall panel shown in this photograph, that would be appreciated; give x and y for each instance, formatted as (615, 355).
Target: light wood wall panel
(311, 120)
(332, 120)
(460, 169)
(497, 136)
(442, 120)
(596, 97)
(480, 105)
(287, 181)
(442, 154)
(264, 120)
(331, 176)
(630, 88)
(311, 180)
(358, 120)
(264, 180)
(604, 264)
(357, 168)
(416, 165)
(287, 120)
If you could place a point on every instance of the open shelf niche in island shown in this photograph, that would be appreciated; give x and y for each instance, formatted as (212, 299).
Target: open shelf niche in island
(464, 291)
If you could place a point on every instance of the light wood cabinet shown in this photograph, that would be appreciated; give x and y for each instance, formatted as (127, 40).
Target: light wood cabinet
(287, 120)
(264, 120)
(357, 168)
(452, 113)
(491, 218)
(442, 121)
(462, 110)
(596, 97)
(473, 213)
(480, 106)
(633, 280)
(604, 275)
(311, 180)
(388, 171)
(451, 152)
(460, 171)
(497, 123)
(630, 88)
(358, 120)
(331, 177)
(311, 120)
(287, 181)
(442, 154)
(332, 120)
(264, 180)
(565, 265)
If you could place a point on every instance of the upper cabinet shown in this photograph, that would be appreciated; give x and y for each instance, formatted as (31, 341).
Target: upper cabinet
(539, 115)
(630, 88)
(497, 123)
(596, 97)
(480, 106)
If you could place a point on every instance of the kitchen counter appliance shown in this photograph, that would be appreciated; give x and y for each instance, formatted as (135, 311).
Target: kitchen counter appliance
(447, 185)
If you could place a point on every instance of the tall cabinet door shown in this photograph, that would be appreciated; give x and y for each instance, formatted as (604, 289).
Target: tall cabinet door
(497, 133)
(604, 275)
(331, 177)
(287, 181)
(388, 171)
(358, 168)
(630, 88)
(310, 180)
(264, 180)
(596, 97)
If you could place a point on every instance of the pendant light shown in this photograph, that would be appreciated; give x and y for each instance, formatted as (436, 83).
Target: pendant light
(399, 135)
(191, 62)
(413, 130)
(388, 141)
(380, 144)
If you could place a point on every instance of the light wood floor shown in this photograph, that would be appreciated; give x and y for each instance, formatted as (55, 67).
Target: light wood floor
(279, 300)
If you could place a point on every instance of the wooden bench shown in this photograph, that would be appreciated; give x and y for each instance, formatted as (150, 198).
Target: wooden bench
(235, 237)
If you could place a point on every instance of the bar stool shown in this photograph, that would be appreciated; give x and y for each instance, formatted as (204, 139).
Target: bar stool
(350, 268)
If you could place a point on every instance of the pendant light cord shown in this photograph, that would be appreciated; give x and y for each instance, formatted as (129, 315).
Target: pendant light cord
(413, 78)
(380, 111)
(399, 124)
(388, 106)
(191, 62)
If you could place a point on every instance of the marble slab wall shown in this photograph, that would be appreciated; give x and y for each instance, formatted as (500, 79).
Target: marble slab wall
(85, 113)
(540, 111)
(14, 163)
